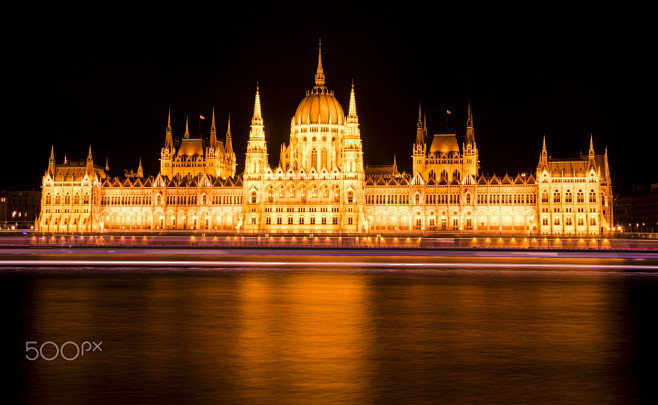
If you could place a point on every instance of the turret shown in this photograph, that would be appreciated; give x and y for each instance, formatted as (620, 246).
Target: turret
(169, 139)
(470, 151)
(229, 140)
(256, 159)
(168, 151)
(140, 170)
(591, 156)
(419, 148)
(420, 130)
(51, 162)
(90, 163)
(543, 157)
(212, 143)
(470, 132)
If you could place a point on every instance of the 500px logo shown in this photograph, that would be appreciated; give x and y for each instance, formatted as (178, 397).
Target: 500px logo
(68, 350)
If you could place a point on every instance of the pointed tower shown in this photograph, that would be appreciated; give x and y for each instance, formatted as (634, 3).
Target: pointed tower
(51, 162)
(256, 162)
(470, 132)
(229, 140)
(169, 138)
(90, 163)
(352, 147)
(319, 74)
(591, 155)
(470, 159)
(419, 148)
(140, 170)
(229, 155)
(212, 142)
(186, 135)
(543, 158)
(107, 164)
(168, 151)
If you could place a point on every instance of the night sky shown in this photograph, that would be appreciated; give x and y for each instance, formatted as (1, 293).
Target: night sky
(109, 81)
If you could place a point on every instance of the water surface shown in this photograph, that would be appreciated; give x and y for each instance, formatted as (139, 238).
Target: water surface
(363, 336)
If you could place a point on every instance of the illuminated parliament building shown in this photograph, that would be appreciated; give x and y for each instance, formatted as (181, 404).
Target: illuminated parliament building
(322, 186)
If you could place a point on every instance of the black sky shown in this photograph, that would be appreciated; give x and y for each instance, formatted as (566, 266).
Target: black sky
(108, 80)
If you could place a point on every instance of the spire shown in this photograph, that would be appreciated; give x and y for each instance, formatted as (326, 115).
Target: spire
(470, 132)
(107, 164)
(591, 156)
(51, 161)
(229, 140)
(395, 163)
(591, 145)
(213, 131)
(257, 119)
(319, 74)
(187, 129)
(140, 171)
(420, 132)
(543, 157)
(425, 123)
(169, 138)
(90, 161)
(352, 109)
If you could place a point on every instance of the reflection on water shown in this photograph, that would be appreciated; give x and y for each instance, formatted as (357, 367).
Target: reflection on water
(336, 337)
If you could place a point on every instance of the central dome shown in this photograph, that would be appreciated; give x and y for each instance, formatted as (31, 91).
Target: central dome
(319, 107)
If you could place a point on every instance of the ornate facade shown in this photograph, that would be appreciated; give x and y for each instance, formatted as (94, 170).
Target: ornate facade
(321, 185)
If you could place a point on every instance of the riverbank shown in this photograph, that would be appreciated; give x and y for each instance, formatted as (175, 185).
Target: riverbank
(201, 241)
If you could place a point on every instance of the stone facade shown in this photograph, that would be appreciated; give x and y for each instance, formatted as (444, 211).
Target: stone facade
(321, 185)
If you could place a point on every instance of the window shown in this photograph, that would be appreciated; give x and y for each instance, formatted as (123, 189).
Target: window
(301, 220)
(253, 198)
(592, 221)
(544, 197)
(350, 197)
(312, 220)
(567, 197)
(334, 220)
(314, 158)
(581, 196)
(290, 221)
(556, 221)
(324, 220)
(279, 220)
(268, 221)
(556, 196)
(544, 221)
(349, 221)
(592, 196)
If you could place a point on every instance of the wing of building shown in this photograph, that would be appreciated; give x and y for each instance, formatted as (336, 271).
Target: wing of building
(321, 186)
